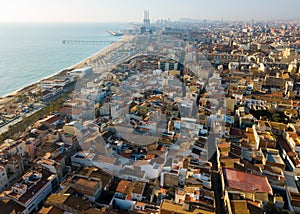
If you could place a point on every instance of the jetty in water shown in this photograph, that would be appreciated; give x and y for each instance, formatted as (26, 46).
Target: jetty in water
(86, 42)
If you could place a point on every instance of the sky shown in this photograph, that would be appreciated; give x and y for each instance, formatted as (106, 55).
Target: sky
(132, 10)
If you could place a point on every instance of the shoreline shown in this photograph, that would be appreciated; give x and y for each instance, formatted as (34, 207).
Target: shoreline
(11, 95)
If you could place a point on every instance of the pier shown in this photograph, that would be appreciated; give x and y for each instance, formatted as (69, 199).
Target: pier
(86, 42)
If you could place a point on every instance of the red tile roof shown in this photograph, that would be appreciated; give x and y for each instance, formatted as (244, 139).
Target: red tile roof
(246, 182)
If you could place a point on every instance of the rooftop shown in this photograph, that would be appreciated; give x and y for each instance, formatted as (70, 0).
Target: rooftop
(96, 173)
(125, 187)
(169, 206)
(29, 185)
(68, 200)
(246, 182)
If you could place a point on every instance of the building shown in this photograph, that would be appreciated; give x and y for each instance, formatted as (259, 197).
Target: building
(89, 186)
(3, 179)
(168, 65)
(63, 203)
(58, 81)
(144, 208)
(13, 166)
(169, 207)
(127, 193)
(81, 72)
(31, 147)
(90, 182)
(128, 190)
(146, 18)
(32, 189)
(253, 187)
(11, 147)
(52, 166)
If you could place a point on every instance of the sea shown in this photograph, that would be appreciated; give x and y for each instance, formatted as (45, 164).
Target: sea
(30, 52)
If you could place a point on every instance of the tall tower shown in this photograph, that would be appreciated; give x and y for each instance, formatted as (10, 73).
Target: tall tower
(146, 18)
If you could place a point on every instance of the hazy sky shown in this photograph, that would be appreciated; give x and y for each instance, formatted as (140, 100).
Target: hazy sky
(132, 10)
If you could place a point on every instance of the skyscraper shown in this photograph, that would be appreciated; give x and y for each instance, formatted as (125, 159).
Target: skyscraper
(146, 18)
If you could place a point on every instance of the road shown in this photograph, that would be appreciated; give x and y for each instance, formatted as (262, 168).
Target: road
(5, 127)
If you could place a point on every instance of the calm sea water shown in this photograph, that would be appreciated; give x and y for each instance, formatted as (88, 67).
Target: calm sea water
(30, 52)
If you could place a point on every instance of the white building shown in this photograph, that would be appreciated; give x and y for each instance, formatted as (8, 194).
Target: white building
(81, 72)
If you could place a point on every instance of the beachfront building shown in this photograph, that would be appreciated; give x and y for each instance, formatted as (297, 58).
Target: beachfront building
(57, 81)
(81, 72)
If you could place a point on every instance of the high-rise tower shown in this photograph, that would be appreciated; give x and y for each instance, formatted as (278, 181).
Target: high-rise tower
(146, 18)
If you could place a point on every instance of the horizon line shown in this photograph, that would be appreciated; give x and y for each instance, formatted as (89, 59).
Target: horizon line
(155, 20)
